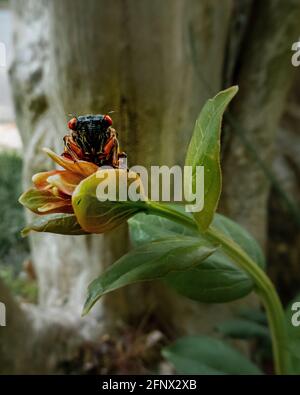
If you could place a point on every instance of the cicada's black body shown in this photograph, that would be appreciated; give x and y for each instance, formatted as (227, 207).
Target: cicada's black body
(91, 134)
(93, 139)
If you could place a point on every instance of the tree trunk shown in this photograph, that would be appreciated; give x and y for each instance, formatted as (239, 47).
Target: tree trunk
(264, 61)
(13, 334)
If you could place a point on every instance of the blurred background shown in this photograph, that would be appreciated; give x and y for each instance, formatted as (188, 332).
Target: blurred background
(154, 63)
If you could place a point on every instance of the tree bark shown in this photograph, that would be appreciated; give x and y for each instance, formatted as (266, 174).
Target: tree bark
(284, 231)
(264, 61)
(13, 334)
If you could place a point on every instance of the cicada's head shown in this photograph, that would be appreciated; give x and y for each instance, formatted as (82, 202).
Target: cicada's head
(90, 132)
(90, 122)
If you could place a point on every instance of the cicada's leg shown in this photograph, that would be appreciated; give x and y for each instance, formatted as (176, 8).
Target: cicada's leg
(72, 151)
(111, 150)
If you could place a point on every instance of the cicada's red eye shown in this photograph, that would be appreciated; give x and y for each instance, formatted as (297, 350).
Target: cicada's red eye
(108, 120)
(72, 123)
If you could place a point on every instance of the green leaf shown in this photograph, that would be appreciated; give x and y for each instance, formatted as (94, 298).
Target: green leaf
(216, 280)
(243, 329)
(204, 150)
(241, 237)
(206, 355)
(149, 226)
(149, 262)
(64, 224)
(96, 216)
(253, 314)
(144, 228)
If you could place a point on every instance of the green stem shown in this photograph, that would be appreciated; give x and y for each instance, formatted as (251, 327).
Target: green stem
(267, 293)
(264, 287)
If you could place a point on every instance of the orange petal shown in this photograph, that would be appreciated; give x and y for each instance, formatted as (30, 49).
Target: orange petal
(79, 167)
(65, 181)
(40, 179)
(56, 207)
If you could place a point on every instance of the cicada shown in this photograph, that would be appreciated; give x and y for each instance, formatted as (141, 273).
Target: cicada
(93, 139)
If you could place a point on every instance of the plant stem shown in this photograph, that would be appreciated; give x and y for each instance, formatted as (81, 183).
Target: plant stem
(263, 285)
(267, 292)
